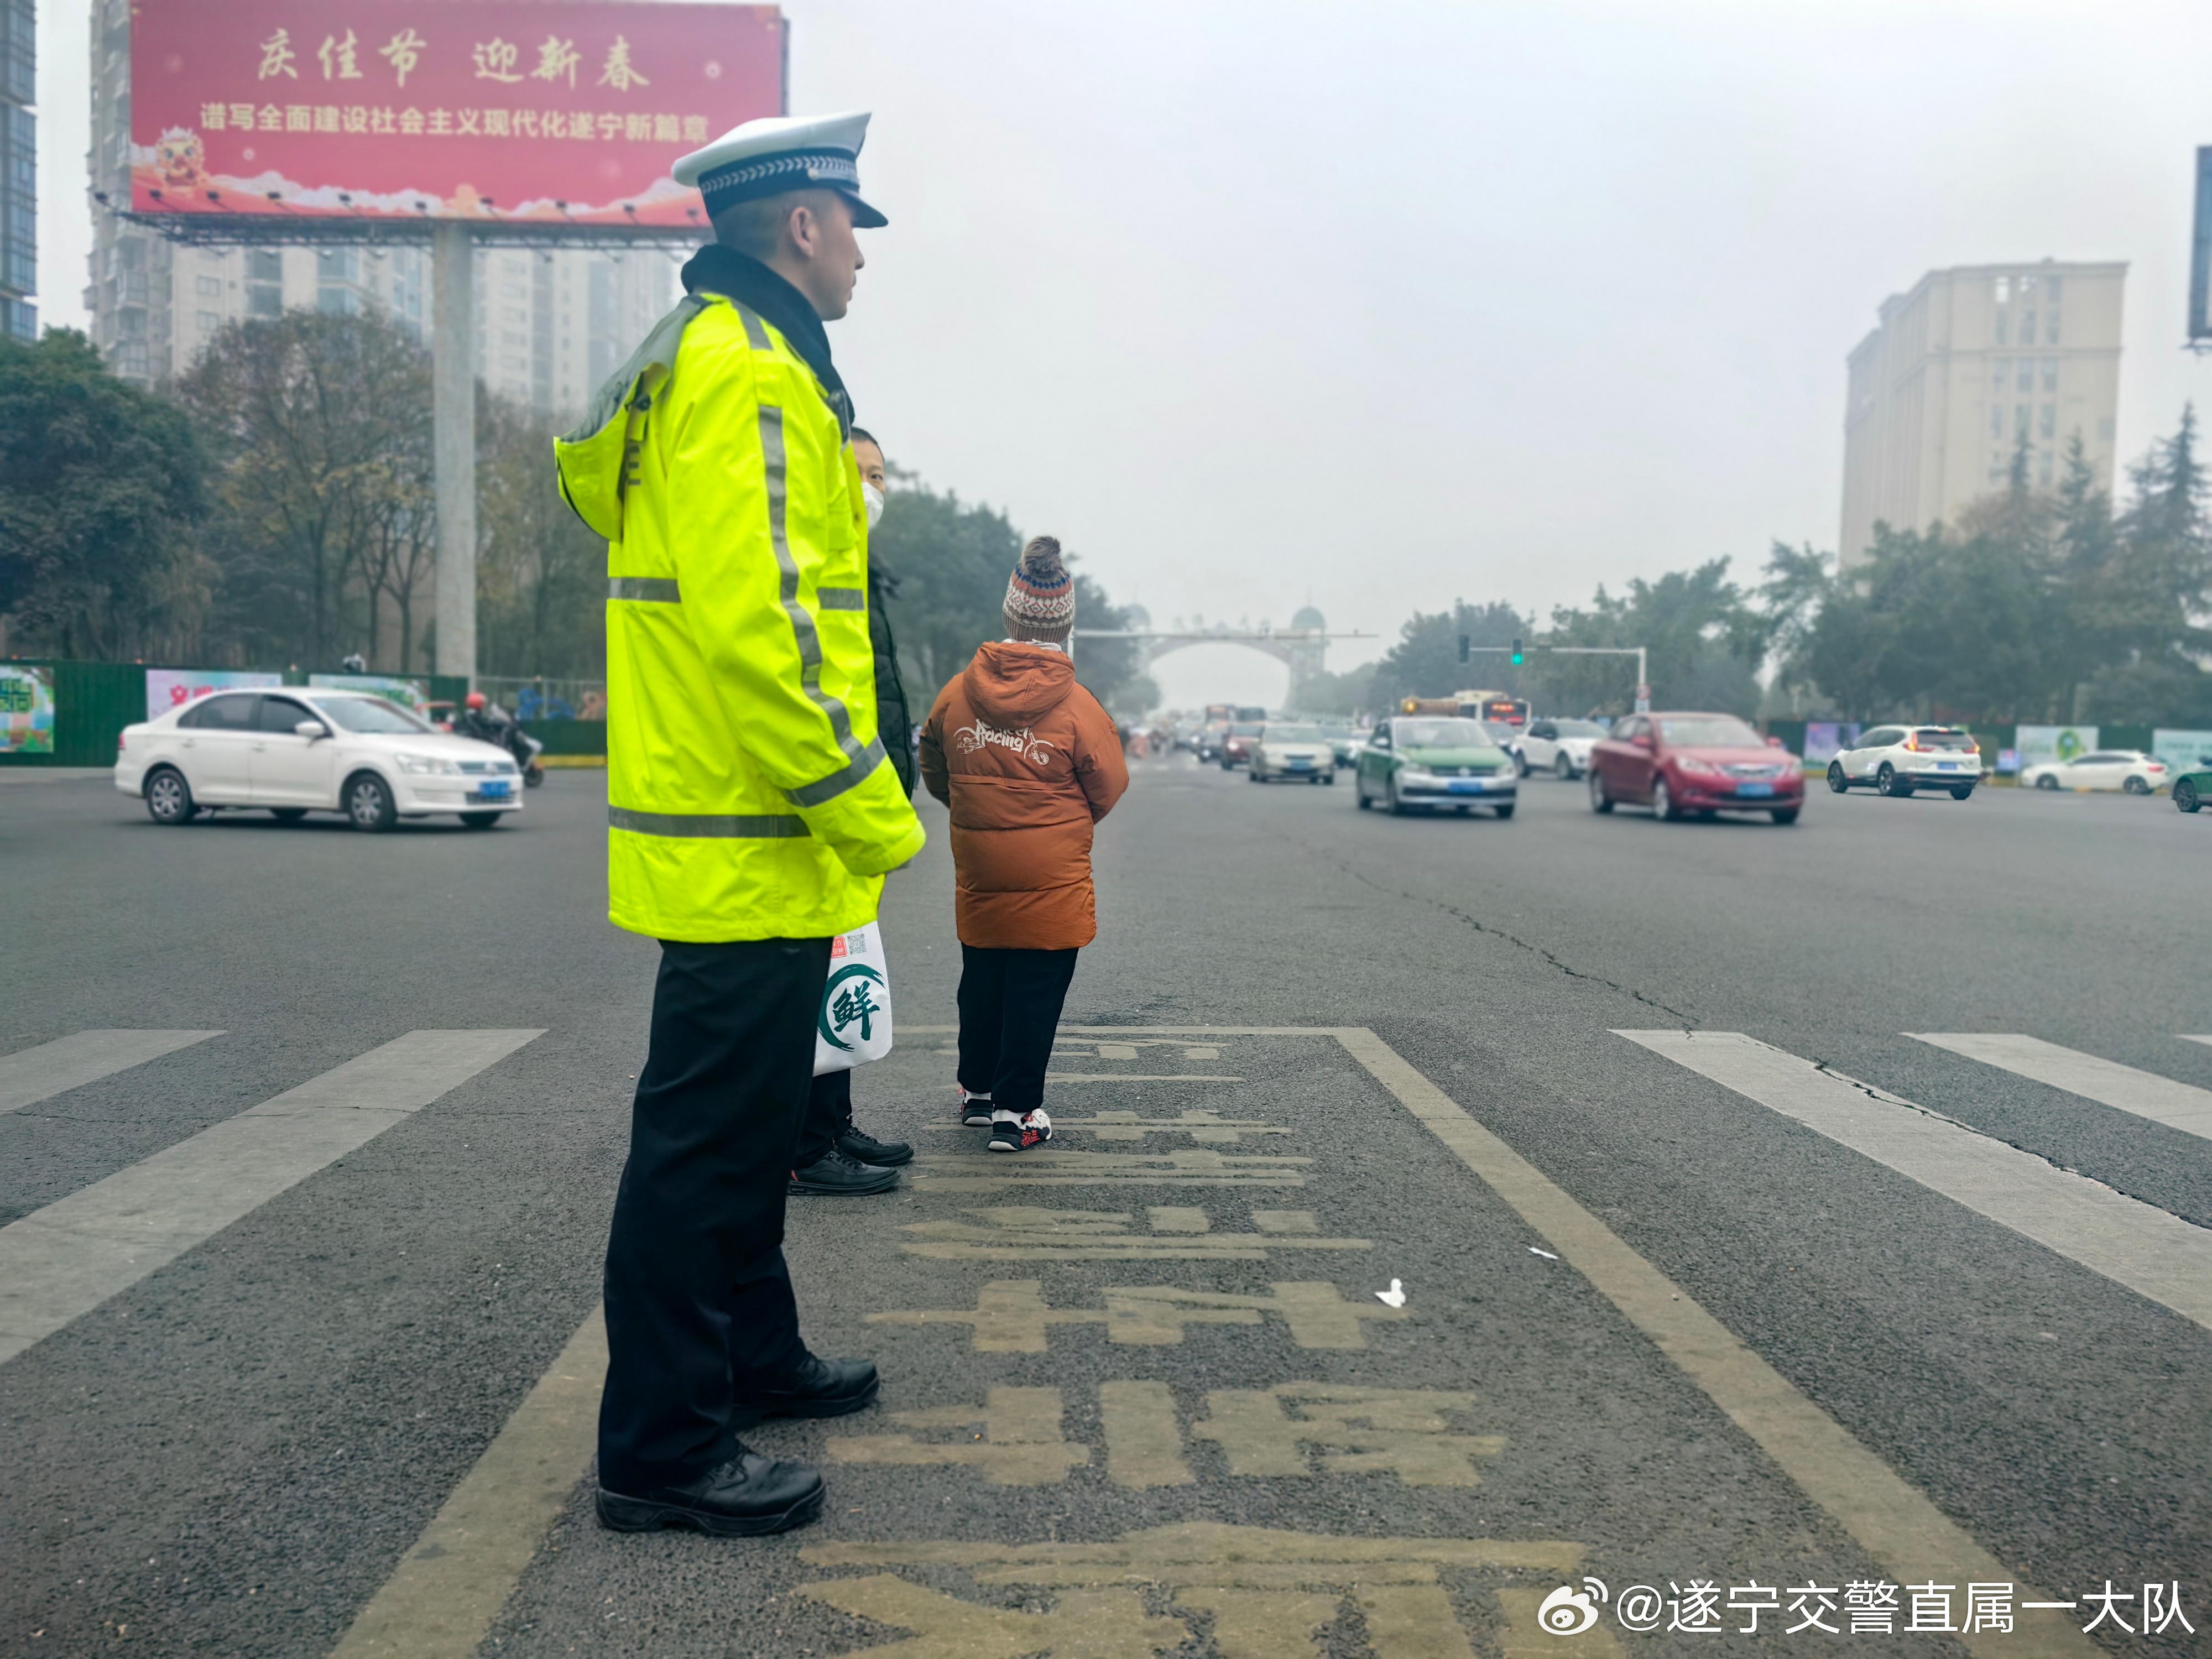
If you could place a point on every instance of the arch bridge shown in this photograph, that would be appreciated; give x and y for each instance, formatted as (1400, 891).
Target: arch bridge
(1303, 646)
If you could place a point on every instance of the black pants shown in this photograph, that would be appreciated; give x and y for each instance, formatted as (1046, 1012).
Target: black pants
(829, 1114)
(1010, 1003)
(698, 1302)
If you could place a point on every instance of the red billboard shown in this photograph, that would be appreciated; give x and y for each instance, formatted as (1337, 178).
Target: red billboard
(539, 112)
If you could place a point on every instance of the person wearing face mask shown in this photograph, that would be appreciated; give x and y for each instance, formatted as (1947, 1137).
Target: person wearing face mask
(834, 1157)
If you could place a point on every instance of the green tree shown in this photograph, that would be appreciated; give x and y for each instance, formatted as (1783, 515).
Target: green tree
(1702, 639)
(100, 499)
(1425, 662)
(2147, 599)
(541, 573)
(951, 560)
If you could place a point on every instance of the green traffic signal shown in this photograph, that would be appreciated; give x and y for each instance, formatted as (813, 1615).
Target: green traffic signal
(1516, 654)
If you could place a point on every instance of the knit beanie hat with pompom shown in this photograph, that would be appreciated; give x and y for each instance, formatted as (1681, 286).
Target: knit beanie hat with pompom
(1040, 595)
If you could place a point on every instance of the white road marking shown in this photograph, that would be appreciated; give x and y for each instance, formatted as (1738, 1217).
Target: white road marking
(58, 1263)
(1890, 1519)
(2178, 1105)
(452, 1583)
(1893, 1520)
(2154, 1254)
(31, 1075)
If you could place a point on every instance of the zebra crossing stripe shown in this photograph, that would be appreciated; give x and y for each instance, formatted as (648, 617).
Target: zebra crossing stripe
(2155, 1254)
(31, 1075)
(59, 1263)
(2178, 1105)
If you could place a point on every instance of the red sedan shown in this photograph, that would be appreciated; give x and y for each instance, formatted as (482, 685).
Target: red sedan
(1680, 764)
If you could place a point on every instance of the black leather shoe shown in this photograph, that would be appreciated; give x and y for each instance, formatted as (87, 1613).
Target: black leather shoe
(819, 1387)
(747, 1497)
(866, 1149)
(836, 1175)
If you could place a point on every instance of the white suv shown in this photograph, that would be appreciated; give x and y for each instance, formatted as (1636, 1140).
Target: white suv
(1559, 747)
(1899, 759)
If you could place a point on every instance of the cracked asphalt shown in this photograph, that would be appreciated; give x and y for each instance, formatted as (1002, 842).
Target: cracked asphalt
(234, 1454)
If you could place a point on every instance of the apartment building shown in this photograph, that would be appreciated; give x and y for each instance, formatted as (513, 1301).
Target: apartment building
(551, 323)
(19, 170)
(1964, 368)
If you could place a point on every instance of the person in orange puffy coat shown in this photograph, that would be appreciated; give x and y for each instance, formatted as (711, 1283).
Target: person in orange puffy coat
(1028, 762)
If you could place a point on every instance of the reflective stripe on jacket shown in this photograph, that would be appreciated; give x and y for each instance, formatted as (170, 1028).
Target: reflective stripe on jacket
(748, 796)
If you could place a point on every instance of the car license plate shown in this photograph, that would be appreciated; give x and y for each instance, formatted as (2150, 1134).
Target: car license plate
(499, 791)
(1300, 764)
(1758, 790)
(1946, 766)
(1466, 786)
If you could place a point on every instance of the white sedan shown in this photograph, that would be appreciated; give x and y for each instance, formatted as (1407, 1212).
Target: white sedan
(1559, 747)
(295, 753)
(2128, 770)
(1302, 754)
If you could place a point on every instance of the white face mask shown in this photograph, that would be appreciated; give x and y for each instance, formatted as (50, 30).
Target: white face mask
(874, 498)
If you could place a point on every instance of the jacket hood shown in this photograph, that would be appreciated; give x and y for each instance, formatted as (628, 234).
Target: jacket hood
(1017, 685)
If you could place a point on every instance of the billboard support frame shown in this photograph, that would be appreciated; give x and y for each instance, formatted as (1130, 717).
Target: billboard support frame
(453, 442)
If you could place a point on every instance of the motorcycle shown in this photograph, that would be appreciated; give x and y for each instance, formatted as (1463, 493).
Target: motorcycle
(505, 733)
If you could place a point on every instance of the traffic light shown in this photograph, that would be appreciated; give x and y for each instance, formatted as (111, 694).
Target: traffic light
(1463, 643)
(1516, 653)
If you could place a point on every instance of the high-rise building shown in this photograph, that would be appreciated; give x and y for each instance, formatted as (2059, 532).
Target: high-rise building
(550, 324)
(1963, 369)
(19, 169)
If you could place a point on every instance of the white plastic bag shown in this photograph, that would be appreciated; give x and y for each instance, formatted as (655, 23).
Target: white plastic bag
(854, 1025)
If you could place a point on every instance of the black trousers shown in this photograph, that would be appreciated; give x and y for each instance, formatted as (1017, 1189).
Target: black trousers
(698, 1302)
(829, 1114)
(1010, 1004)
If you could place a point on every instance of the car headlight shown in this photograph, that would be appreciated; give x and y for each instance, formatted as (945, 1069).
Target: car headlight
(1702, 768)
(1417, 774)
(419, 765)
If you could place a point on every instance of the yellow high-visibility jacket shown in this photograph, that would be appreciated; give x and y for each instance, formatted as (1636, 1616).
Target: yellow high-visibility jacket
(747, 789)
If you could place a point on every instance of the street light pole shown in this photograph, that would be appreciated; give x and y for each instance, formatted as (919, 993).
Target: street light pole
(453, 441)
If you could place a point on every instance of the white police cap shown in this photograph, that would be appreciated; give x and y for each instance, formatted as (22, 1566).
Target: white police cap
(780, 153)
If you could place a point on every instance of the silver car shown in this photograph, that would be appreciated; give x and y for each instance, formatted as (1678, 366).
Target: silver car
(1292, 754)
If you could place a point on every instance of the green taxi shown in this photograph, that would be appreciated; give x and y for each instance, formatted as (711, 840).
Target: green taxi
(2192, 789)
(1432, 762)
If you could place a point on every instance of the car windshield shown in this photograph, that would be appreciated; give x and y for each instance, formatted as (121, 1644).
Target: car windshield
(370, 714)
(1578, 728)
(1709, 732)
(1443, 734)
(1499, 731)
(1958, 740)
(1295, 734)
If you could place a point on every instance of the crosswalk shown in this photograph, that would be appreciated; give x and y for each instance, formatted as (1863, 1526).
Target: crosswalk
(2156, 1255)
(31, 1075)
(60, 1262)
(2178, 1105)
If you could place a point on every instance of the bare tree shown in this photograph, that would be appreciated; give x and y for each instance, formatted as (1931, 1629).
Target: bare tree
(321, 428)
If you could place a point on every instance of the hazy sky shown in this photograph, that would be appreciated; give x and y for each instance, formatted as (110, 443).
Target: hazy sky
(1376, 306)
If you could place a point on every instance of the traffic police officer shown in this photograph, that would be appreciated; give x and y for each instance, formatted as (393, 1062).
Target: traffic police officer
(753, 814)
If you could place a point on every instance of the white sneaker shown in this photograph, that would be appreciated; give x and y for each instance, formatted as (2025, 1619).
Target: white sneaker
(1010, 1134)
